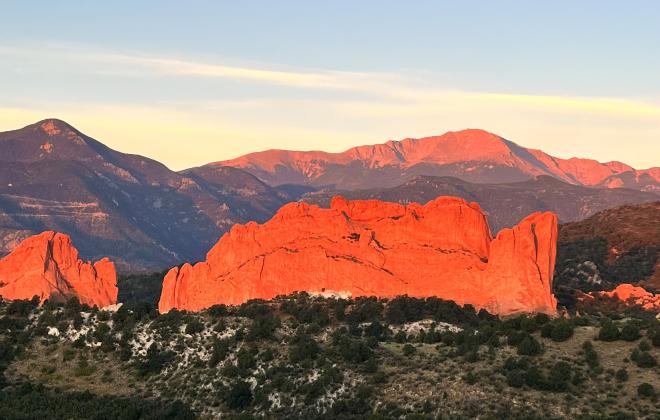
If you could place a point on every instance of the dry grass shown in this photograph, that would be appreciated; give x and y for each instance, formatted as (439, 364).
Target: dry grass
(47, 364)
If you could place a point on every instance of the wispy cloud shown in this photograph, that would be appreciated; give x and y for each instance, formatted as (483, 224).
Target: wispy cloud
(398, 92)
(612, 106)
(180, 67)
(379, 84)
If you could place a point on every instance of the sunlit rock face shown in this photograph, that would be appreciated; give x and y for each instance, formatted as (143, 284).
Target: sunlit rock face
(47, 266)
(471, 155)
(376, 248)
(635, 295)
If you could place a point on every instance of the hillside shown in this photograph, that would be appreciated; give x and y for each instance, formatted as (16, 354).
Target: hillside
(471, 155)
(127, 207)
(305, 357)
(505, 204)
(614, 246)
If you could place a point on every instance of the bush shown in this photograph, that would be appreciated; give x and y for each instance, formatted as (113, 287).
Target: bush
(515, 378)
(654, 335)
(621, 375)
(609, 332)
(304, 348)
(376, 330)
(448, 338)
(646, 390)
(535, 379)
(263, 327)
(471, 378)
(512, 363)
(305, 311)
(590, 354)
(643, 359)
(365, 309)
(22, 308)
(630, 332)
(562, 330)
(529, 346)
(107, 344)
(239, 396)
(125, 352)
(245, 359)
(513, 337)
(194, 326)
(219, 352)
(528, 324)
(644, 345)
(252, 308)
(218, 310)
(541, 319)
(401, 337)
(546, 330)
(6, 351)
(351, 350)
(408, 350)
(154, 361)
(560, 374)
(581, 321)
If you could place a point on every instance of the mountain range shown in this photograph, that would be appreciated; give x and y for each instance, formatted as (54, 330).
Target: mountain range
(472, 155)
(145, 216)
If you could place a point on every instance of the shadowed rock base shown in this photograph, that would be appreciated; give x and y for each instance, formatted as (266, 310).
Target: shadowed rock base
(375, 248)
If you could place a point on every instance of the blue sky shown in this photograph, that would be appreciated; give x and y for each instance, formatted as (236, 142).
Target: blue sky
(198, 81)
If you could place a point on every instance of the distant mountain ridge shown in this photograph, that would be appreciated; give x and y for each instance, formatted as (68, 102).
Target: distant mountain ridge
(472, 155)
(128, 207)
(505, 204)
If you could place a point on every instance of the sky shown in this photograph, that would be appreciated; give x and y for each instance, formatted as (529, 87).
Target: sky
(193, 82)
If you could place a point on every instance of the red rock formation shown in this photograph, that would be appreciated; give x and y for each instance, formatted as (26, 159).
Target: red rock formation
(47, 265)
(443, 249)
(635, 295)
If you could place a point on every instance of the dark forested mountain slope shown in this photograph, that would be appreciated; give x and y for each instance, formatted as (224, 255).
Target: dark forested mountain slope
(505, 204)
(614, 246)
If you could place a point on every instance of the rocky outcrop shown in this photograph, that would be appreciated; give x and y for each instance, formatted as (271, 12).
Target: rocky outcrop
(375, 248)
(47, 266)
(635, 295)
(625, 296)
